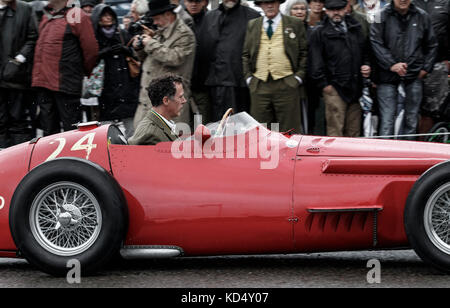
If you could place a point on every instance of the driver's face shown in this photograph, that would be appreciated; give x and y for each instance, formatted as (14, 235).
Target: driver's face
(176, 103)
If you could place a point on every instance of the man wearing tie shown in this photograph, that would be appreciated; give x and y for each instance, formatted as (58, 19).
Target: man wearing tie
(274, 63)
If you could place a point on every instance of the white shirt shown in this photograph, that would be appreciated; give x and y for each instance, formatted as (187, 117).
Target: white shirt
(276, 21)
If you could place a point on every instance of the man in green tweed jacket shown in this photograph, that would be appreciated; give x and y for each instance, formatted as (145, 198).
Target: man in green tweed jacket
(167, 96)
(274, 63)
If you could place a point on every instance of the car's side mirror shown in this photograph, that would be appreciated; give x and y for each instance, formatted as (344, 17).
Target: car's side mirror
(202, 133)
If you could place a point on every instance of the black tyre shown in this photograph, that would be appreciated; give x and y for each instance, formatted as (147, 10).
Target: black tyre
(439, 128)
(427, 216)
(68, 209)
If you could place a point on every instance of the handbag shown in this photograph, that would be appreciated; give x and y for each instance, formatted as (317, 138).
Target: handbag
(134, 66)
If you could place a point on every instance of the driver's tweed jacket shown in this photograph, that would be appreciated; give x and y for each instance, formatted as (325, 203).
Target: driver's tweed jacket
(152, 130)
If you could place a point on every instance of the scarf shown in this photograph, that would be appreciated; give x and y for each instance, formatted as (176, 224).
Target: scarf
(109, 33)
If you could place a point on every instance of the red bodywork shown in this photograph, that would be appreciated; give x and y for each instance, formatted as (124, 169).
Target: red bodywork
(325, 194)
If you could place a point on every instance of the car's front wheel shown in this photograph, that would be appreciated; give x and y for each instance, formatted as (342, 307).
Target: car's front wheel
(68, 209)
(427, 216)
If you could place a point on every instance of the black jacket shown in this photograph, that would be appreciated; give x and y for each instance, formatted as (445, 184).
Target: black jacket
(439, 11)
(409, 39)
(200, 70)
(335, 58)
(222, 42)
(18, 35)
(120, 93)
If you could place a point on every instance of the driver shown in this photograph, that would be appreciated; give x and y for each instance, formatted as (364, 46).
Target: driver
(167, 96)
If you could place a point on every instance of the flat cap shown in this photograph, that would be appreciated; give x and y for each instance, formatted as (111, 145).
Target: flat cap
(335, 4)
(262, 1)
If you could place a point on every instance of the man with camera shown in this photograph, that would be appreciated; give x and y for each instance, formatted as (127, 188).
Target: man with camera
(169, 49)
(18, 35)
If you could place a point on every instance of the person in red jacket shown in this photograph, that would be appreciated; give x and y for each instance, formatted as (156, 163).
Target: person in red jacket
(66, 51)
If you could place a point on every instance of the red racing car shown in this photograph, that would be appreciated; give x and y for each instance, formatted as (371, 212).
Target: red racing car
(233, 187)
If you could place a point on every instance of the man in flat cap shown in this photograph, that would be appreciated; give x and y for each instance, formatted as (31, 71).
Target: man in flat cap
(274, 60)
(338, 64)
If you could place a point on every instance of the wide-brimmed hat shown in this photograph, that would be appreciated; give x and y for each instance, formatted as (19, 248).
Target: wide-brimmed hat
(262, 1)
(157, 7)
(335, 4)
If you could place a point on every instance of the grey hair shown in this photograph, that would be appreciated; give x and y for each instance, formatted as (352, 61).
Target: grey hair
(141, 6)
(290, 3)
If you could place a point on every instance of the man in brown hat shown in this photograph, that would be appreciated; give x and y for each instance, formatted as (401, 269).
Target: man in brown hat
(338, 63)
(170, 49)
(274, 60)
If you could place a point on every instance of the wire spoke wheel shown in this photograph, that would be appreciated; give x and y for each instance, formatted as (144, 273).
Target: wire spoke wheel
(437, 218)
(65, 219)
(68, 208)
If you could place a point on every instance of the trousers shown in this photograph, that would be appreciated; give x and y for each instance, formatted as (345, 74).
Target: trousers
(15, 117)
(58, 108)
(388, 99)
(276, 101)
(343, 119)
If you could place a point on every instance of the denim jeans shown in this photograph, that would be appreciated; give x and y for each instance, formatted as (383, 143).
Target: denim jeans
(388, 99)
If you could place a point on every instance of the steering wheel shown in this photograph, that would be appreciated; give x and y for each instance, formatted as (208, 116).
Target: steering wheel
(220, 129)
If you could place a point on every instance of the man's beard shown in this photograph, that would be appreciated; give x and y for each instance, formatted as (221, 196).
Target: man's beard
(337, 19)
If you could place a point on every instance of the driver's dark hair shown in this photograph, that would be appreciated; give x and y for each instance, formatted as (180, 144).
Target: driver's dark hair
(161, 87)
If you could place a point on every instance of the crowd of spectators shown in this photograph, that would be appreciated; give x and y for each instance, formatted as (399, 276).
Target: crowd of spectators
(302, 64)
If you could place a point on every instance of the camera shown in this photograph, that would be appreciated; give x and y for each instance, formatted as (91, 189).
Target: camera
(136, 27)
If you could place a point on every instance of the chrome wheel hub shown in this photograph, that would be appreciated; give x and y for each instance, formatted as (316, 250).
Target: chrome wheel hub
(65, 219)
(69, 217)
(437, 218)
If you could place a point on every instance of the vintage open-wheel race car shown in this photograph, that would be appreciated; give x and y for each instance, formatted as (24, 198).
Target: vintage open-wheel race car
(234, 187)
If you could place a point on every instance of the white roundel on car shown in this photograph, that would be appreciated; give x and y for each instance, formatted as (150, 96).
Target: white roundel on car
(291, 143)
(2, 202)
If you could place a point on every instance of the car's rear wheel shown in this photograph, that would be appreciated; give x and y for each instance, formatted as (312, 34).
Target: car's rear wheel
(427, 216)
(68, 209)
